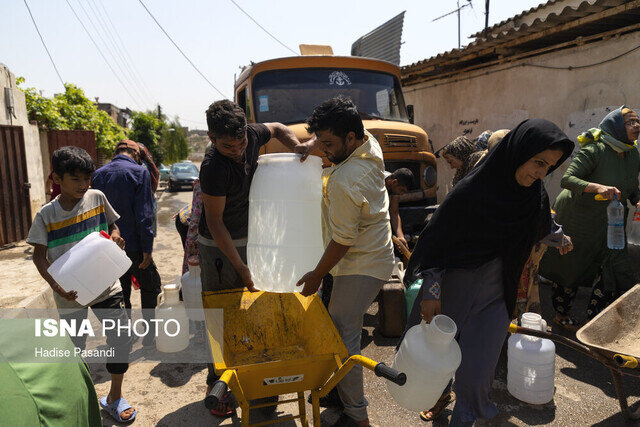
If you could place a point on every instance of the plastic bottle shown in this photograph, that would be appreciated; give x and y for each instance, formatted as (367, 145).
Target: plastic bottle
(634, 229)
(531, 363)
(192, 291)
(285, 229)
(429, 356)
(173, 323)
(615, 225)
(90, 267)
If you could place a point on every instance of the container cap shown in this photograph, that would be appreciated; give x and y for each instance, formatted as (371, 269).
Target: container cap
(193, 260)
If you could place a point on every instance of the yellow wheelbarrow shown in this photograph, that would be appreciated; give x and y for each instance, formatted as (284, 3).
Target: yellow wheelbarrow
(266, 344)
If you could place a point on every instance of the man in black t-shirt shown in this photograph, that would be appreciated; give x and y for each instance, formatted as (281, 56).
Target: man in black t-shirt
(225, 179)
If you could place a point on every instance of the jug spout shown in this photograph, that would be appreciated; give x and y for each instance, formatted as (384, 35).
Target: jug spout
(171, 293)
(533, 321)
(442, 330)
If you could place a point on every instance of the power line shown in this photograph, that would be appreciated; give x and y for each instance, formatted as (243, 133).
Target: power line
(578, 67)
(124, 69)
(263, 29)
(126, 53)
(125, 66)
(108, 49)
(525, 64)
(180, 50)
(102, 54)
(43, 43)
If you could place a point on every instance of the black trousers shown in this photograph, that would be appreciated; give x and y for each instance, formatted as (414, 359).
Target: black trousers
(149, 281)
(112, 308)
(182, 230)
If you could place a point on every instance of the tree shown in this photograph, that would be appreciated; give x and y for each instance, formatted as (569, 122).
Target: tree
(167, 141)
(148, 129)
(72, 110)
(175, 143)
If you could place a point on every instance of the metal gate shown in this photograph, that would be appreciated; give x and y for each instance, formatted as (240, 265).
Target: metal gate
(85, 139)
(15, 208)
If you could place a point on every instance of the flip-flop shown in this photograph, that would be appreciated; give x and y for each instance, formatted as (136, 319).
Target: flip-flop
(116, 408)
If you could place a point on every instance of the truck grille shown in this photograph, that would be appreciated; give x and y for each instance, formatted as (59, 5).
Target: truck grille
(400, 141)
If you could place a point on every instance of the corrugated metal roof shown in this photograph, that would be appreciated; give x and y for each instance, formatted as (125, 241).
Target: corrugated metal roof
(541, 8)
(549, 30)
(382, 43)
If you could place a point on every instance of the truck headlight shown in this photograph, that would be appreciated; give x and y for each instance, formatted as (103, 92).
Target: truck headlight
(429, 176)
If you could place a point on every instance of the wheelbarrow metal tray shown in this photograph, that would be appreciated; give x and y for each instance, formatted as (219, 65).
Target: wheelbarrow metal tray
(276, 343)
(616, 330)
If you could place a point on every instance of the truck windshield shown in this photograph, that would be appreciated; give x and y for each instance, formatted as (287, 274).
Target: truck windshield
(289, 96)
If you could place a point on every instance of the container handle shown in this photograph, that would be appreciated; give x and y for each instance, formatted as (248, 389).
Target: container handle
(391, 374)
(159, 298)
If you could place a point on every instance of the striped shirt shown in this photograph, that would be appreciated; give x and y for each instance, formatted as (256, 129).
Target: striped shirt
(60, 230)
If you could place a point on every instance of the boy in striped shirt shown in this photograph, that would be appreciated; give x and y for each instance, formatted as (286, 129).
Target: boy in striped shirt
(60, 225)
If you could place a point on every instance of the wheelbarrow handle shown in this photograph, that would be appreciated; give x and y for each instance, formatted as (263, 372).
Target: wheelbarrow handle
(625, 361)
(217, 391)
(391, 374)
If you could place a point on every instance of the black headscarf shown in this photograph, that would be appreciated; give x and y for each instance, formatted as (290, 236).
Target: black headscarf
(489, 215)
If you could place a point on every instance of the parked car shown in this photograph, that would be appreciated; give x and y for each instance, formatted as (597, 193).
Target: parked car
(164, 172)
(181, 175)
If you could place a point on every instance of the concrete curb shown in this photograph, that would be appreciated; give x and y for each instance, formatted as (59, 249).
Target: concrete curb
(36, 306)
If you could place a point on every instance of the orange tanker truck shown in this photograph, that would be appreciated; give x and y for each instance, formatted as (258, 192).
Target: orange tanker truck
(286, 90)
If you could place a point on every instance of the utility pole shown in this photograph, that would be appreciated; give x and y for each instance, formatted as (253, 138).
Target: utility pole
(159, 112)
(486, 17)
(458, 24)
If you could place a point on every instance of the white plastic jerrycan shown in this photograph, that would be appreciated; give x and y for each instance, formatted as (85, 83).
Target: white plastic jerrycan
(192, 291)
(531, 363)
(90, 267)
(173, 323)
(285, 229)
(429, 356)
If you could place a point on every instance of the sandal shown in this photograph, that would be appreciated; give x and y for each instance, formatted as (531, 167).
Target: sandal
(116, 408)
(435, 412)
(225, 406)
(568, 323)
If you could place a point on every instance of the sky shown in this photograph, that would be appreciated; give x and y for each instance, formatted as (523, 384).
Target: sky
(143, 68)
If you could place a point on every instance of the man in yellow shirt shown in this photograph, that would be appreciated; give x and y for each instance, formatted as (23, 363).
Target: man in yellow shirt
(356, 231)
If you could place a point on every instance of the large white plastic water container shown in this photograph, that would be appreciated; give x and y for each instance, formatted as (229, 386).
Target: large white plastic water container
(90, 267)
(192, 291)
(429, 356)
(285, 230)
(173, 329)
(531, 364)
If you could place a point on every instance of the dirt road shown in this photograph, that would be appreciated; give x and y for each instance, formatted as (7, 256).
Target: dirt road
(171, 394)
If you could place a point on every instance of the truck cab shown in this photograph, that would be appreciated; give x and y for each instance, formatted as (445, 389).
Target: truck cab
(286, 90)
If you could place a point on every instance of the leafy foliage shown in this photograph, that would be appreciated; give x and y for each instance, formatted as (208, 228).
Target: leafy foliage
(176, 144)
(148, 129)
(72, 110)
(167, 142)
